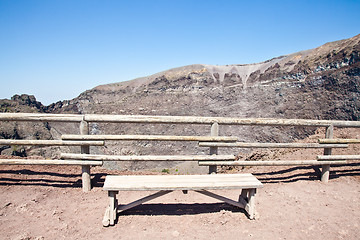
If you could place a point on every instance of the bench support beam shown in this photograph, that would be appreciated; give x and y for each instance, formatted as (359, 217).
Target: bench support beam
(246, 202)
(142, 200)
(221, 198)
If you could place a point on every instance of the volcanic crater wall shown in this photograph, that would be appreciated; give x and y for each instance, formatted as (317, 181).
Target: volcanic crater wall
(321, 83)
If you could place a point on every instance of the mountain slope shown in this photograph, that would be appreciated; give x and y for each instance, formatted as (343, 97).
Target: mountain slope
(310, 79)
(321, 83)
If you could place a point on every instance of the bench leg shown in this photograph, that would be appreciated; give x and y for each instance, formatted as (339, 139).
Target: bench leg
(247, 197)
(106, 219)
(110, 213)
(112, 206)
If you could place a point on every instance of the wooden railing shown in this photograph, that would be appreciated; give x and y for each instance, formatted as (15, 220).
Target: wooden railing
(213, 142)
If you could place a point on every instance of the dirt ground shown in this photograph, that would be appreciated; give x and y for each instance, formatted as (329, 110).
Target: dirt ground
(46, 202)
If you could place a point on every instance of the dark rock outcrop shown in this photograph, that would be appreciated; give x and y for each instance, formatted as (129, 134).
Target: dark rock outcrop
(22, 130)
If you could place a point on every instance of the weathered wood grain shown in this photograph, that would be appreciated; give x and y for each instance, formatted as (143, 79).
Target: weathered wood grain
(181, 182)
(269, 163)
(149, 138)
(325, 169)
(214, 150)
(219, 120)
(338, 141)
(85, 150)
(271, 145)
(48, 162)
(147, 157)
(49, 142)
(338, 157)
(41, 117)
(174, 120)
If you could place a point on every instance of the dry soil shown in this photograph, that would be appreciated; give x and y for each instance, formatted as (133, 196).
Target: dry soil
(46, 202)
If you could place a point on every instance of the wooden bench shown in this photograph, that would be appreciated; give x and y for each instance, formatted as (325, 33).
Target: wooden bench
(167, 183)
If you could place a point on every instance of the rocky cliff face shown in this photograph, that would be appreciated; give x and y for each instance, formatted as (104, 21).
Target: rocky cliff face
(317, 83)
(321, 83)
(18, 130)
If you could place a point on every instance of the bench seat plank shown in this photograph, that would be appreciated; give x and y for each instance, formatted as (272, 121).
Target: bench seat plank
(181, 182)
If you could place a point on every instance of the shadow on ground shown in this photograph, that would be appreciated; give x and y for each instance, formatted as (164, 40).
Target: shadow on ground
(180, 209)
(64, 180)
(50, 179)
(308, 173)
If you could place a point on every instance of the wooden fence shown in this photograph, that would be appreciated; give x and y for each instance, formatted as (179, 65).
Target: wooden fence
(213, 142)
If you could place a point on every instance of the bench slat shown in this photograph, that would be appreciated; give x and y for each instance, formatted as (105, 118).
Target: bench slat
(181, 182)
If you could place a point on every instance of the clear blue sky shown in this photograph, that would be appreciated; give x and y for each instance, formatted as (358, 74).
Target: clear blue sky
(56, 49)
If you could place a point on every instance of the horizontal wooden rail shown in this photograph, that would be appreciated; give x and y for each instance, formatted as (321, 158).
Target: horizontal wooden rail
(149, 138)
(338, 157)
(174, 120)
(41, 117)
(269, 163)
(50, 142)
(271, 145)
(47, 162)
(326, 141)
(148, 157)
(219, 120)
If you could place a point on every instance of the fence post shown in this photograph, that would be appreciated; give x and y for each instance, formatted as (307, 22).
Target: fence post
(85, 170)
(325, 171)
(214, 150)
